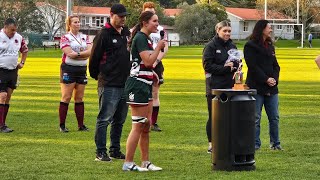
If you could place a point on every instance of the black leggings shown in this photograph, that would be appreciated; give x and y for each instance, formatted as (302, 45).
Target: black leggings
(209, 122)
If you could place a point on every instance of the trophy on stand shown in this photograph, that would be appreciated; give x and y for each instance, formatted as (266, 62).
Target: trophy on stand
(235, 57)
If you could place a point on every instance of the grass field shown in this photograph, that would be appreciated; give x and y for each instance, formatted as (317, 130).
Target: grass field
(37, 150)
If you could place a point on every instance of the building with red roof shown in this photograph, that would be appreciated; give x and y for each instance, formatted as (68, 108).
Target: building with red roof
(243, 21)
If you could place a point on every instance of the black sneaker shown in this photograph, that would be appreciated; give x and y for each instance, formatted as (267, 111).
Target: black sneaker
(5, 129)
(63, 129)
(83, 128)
(277, 147)
(102, 156)
(155, 127)
(117, 155)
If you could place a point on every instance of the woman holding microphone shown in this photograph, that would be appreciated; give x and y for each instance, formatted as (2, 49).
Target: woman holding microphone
(138, 90)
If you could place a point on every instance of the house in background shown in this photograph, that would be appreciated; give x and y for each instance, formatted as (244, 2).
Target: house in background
(243, 21)
(92, 18)
(172, 12)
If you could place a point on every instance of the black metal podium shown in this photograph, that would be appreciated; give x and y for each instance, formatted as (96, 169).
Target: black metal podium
(233, 129)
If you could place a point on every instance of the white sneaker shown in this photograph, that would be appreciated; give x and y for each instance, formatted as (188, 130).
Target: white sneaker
(133, 167)
(151, 167)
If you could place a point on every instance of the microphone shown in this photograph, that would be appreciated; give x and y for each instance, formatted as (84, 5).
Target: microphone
(162, 37)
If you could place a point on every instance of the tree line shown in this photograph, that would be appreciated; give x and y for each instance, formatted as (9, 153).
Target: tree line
(195, 23)
(175, 3)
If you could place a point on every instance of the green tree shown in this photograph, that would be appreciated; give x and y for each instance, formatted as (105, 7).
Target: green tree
(238, 3)
(135, 8)
(107, 3)
(24, 12)
(214, 7)
(190, 2)
(195, 23)
(168, 3)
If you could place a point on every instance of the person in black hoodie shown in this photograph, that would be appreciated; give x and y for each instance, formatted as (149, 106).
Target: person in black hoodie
(219, 74)
(263, 75)
(110, 65)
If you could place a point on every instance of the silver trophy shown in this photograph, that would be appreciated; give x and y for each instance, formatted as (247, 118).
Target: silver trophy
(235, 57)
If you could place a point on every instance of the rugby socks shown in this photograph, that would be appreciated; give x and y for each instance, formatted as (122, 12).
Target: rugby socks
(6, 109)
(79, 110)
(1, 115)
(63, 110)
(155, 112)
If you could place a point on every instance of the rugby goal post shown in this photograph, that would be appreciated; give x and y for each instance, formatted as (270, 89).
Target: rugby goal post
(296, 20)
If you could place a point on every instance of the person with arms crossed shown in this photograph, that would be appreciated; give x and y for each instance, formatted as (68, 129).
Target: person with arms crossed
(158, 69)
(138, 90)
(76, 49)
(219, 74)
(263, 75)
(110, 65)
(11, 43)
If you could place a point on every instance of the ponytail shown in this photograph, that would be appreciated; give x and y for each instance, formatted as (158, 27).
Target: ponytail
(136, 28)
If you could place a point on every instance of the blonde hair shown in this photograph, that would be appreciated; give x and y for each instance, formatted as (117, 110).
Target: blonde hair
(148, 5)
(68, 21)
(222, 24)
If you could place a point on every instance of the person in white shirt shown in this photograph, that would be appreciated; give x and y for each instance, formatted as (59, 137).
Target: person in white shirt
(310, 39)
(76, 49)
(11, 44)
(158, 68)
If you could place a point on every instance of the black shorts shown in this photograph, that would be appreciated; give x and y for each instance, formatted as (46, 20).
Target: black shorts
(159, 69)
(8, 79)
(73, 74)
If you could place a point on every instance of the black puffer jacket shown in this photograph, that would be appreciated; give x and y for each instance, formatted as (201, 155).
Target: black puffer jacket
(262, 64)
(215, 54)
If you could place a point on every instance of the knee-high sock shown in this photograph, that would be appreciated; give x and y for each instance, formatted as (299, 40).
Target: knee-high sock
(79, 110)
(63, 110)
(155, 112)
(6, 109)
(1, 115)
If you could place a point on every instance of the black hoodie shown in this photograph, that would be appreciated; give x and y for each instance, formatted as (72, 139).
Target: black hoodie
(215, 55)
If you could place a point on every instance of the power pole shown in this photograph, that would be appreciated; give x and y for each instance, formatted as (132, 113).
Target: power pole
(69, 7)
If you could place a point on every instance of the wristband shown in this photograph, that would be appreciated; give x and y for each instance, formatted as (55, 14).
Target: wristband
(22, 62)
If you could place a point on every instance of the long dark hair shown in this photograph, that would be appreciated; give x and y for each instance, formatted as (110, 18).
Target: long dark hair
(257, 33)
(144, 17)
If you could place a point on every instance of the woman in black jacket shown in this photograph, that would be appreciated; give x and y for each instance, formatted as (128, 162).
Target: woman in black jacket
(219, 74)
(263, 75)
